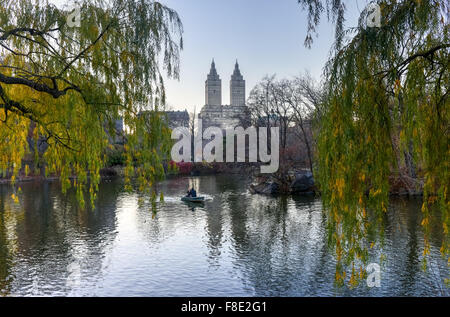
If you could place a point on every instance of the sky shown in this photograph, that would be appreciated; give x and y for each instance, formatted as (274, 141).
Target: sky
(265, 36)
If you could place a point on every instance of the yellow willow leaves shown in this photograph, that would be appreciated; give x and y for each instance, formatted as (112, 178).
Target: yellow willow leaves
(361, 272)
(424, 207)
(356, 276)
(383, 207)
(362, 177)
(14, 133)
(432, 199)
(340, 183)
(153, 199)
(372, 114)
(336, 131)
(375, 193)
(336, 216)
(112, 78)
(339, 249)
(402, 135)
(426, 249)
(397, 86)
(360, 200)
(425, 222)
(15, 198)
(339, 278)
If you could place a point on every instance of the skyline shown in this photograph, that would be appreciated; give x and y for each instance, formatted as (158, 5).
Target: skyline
(220, 30)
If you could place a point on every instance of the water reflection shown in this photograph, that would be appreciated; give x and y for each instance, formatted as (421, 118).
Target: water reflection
(52, 247)
(235, 244)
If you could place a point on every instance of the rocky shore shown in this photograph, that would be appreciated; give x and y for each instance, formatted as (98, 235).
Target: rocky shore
(301, 182)
(297, 182)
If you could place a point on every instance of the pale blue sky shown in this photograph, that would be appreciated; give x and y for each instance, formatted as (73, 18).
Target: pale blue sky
(266, 36)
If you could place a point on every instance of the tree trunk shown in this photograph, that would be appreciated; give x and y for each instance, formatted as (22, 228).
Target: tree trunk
(409, 161)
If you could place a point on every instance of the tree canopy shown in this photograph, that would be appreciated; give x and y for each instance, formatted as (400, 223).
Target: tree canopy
(71, 82)
(386, 108)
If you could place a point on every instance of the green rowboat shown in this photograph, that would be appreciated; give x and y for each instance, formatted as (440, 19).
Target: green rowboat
(198, 199)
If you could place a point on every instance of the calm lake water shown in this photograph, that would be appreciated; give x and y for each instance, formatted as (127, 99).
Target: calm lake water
(236, 244)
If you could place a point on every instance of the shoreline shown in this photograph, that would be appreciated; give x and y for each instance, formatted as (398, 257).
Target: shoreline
(28, 179)
(41, 179)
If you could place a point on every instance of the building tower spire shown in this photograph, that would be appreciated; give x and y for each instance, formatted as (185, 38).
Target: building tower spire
(237, 87)
(213, 87)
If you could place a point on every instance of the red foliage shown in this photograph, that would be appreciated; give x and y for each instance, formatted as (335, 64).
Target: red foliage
(183, 167)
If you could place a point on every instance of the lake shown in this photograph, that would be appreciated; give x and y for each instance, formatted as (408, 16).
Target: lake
(235, 244)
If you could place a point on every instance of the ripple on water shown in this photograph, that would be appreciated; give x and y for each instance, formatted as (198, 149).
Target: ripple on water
(235, 244)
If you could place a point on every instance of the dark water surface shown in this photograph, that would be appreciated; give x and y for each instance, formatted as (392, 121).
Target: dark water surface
(236, 244)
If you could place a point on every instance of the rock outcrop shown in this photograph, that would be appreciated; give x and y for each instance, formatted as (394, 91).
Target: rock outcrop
(302, 184)
(266, 188)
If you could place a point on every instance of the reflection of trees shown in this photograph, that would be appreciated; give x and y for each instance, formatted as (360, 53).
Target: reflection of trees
(228, 201)
(274, 246)
(281, 249)
(401, 229)
(5, 245)
(214, 217)
(58, 244)
(230, 183)
(279, 243)
(172, 215)
(403, 248)
(214, 229)
(157, 228)
(4, 253)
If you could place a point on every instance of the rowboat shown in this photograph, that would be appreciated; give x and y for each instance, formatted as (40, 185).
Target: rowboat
(198, 199)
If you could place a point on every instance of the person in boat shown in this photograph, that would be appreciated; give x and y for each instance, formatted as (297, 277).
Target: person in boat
(191, 193)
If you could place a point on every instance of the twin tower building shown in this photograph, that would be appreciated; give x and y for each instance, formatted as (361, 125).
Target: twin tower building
(213, 112)
(213, 87)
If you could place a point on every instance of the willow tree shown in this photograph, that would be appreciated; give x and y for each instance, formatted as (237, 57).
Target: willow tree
(73, 80)
(386, 93)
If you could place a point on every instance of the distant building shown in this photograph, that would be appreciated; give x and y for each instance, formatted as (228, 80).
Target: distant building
(119, 126)
(213, 112)
(177, 119)
(174, 118)
(116, 136)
